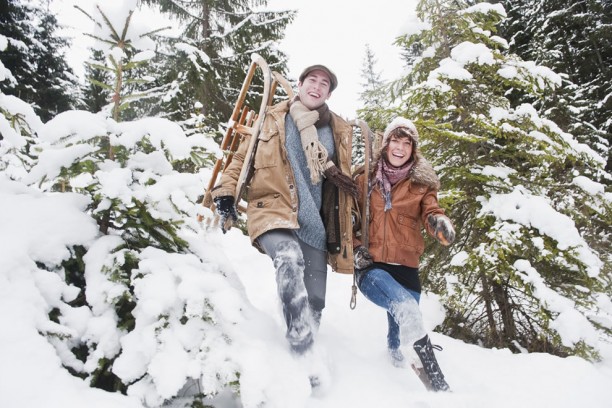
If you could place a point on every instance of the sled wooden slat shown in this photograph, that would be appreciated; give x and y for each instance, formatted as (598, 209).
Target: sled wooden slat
(245, 122)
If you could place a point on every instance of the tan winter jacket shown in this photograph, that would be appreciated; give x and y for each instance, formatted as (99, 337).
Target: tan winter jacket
(272, 196)
(395, 236)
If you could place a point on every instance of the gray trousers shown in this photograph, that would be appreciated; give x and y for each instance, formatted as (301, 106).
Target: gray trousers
(315, 265)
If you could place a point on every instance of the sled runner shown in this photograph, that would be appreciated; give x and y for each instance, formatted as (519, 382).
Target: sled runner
(243, 122)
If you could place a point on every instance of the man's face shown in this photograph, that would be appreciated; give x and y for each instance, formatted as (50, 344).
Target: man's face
(314, 90)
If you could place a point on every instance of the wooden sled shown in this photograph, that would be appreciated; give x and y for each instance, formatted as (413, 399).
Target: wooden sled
(245, 121)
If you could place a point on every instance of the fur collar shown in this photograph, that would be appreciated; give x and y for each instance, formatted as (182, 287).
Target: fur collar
(423, 173)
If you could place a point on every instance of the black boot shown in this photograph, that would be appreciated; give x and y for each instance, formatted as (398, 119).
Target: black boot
(289, 264)
(431, 368)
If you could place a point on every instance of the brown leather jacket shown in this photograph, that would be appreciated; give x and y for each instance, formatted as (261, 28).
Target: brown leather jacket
(272, 196)
(395, 235)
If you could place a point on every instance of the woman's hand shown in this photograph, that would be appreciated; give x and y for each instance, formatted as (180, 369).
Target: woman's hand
(442, 229)
(362, 258)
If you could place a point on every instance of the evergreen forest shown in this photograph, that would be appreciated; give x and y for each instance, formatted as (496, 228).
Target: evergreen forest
(513, 102)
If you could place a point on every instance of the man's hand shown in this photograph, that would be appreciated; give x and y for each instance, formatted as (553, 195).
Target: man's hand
(442, 228)
(226, 211)
(341, 180)
(362, 258)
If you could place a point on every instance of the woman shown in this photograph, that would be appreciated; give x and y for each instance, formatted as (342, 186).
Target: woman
(403, 196)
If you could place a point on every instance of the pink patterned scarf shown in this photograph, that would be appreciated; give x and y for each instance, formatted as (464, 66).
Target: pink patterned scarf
(387, 176)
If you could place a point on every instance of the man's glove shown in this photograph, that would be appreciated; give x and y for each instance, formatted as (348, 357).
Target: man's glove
(341, 180)
(362, 258)
(227, 212)
(442, 228)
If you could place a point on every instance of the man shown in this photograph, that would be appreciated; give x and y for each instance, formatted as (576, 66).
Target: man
(299, 199)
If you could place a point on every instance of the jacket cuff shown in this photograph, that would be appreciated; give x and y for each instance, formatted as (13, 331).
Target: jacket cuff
(220, 191)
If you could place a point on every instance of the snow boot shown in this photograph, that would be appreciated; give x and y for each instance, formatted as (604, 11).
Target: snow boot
(430, 373)
(289, 264)
(299, 329)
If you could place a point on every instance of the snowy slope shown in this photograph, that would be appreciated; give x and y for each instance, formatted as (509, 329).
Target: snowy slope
(350, 355)
(352, 346)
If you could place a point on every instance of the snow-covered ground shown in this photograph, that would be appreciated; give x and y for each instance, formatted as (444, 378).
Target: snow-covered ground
(352, 346)
(350, 355)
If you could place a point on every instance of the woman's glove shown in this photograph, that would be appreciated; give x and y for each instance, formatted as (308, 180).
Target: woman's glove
(442, 228)
(362, 258)
(227, 212)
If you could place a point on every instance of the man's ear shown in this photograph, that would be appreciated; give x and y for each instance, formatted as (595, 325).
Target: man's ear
(328, 96)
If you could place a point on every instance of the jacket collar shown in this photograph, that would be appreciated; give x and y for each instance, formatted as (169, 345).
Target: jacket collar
(423, 173)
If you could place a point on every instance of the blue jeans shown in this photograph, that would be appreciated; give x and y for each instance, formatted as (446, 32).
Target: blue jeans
(381, 289)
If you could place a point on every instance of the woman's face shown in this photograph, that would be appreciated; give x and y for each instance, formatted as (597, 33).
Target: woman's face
(399, 150)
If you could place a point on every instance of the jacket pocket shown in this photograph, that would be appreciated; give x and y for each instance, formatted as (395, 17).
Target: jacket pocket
(268, 202)
(268, 150)
(408, 221)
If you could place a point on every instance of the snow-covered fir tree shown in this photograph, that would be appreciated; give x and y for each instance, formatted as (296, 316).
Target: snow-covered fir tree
(573, 38)
(214, 52)
(372, 99)
(35, 57)
(96, 89)
(510, 280)
(18, 126)
(122, 51)
(138, 239)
